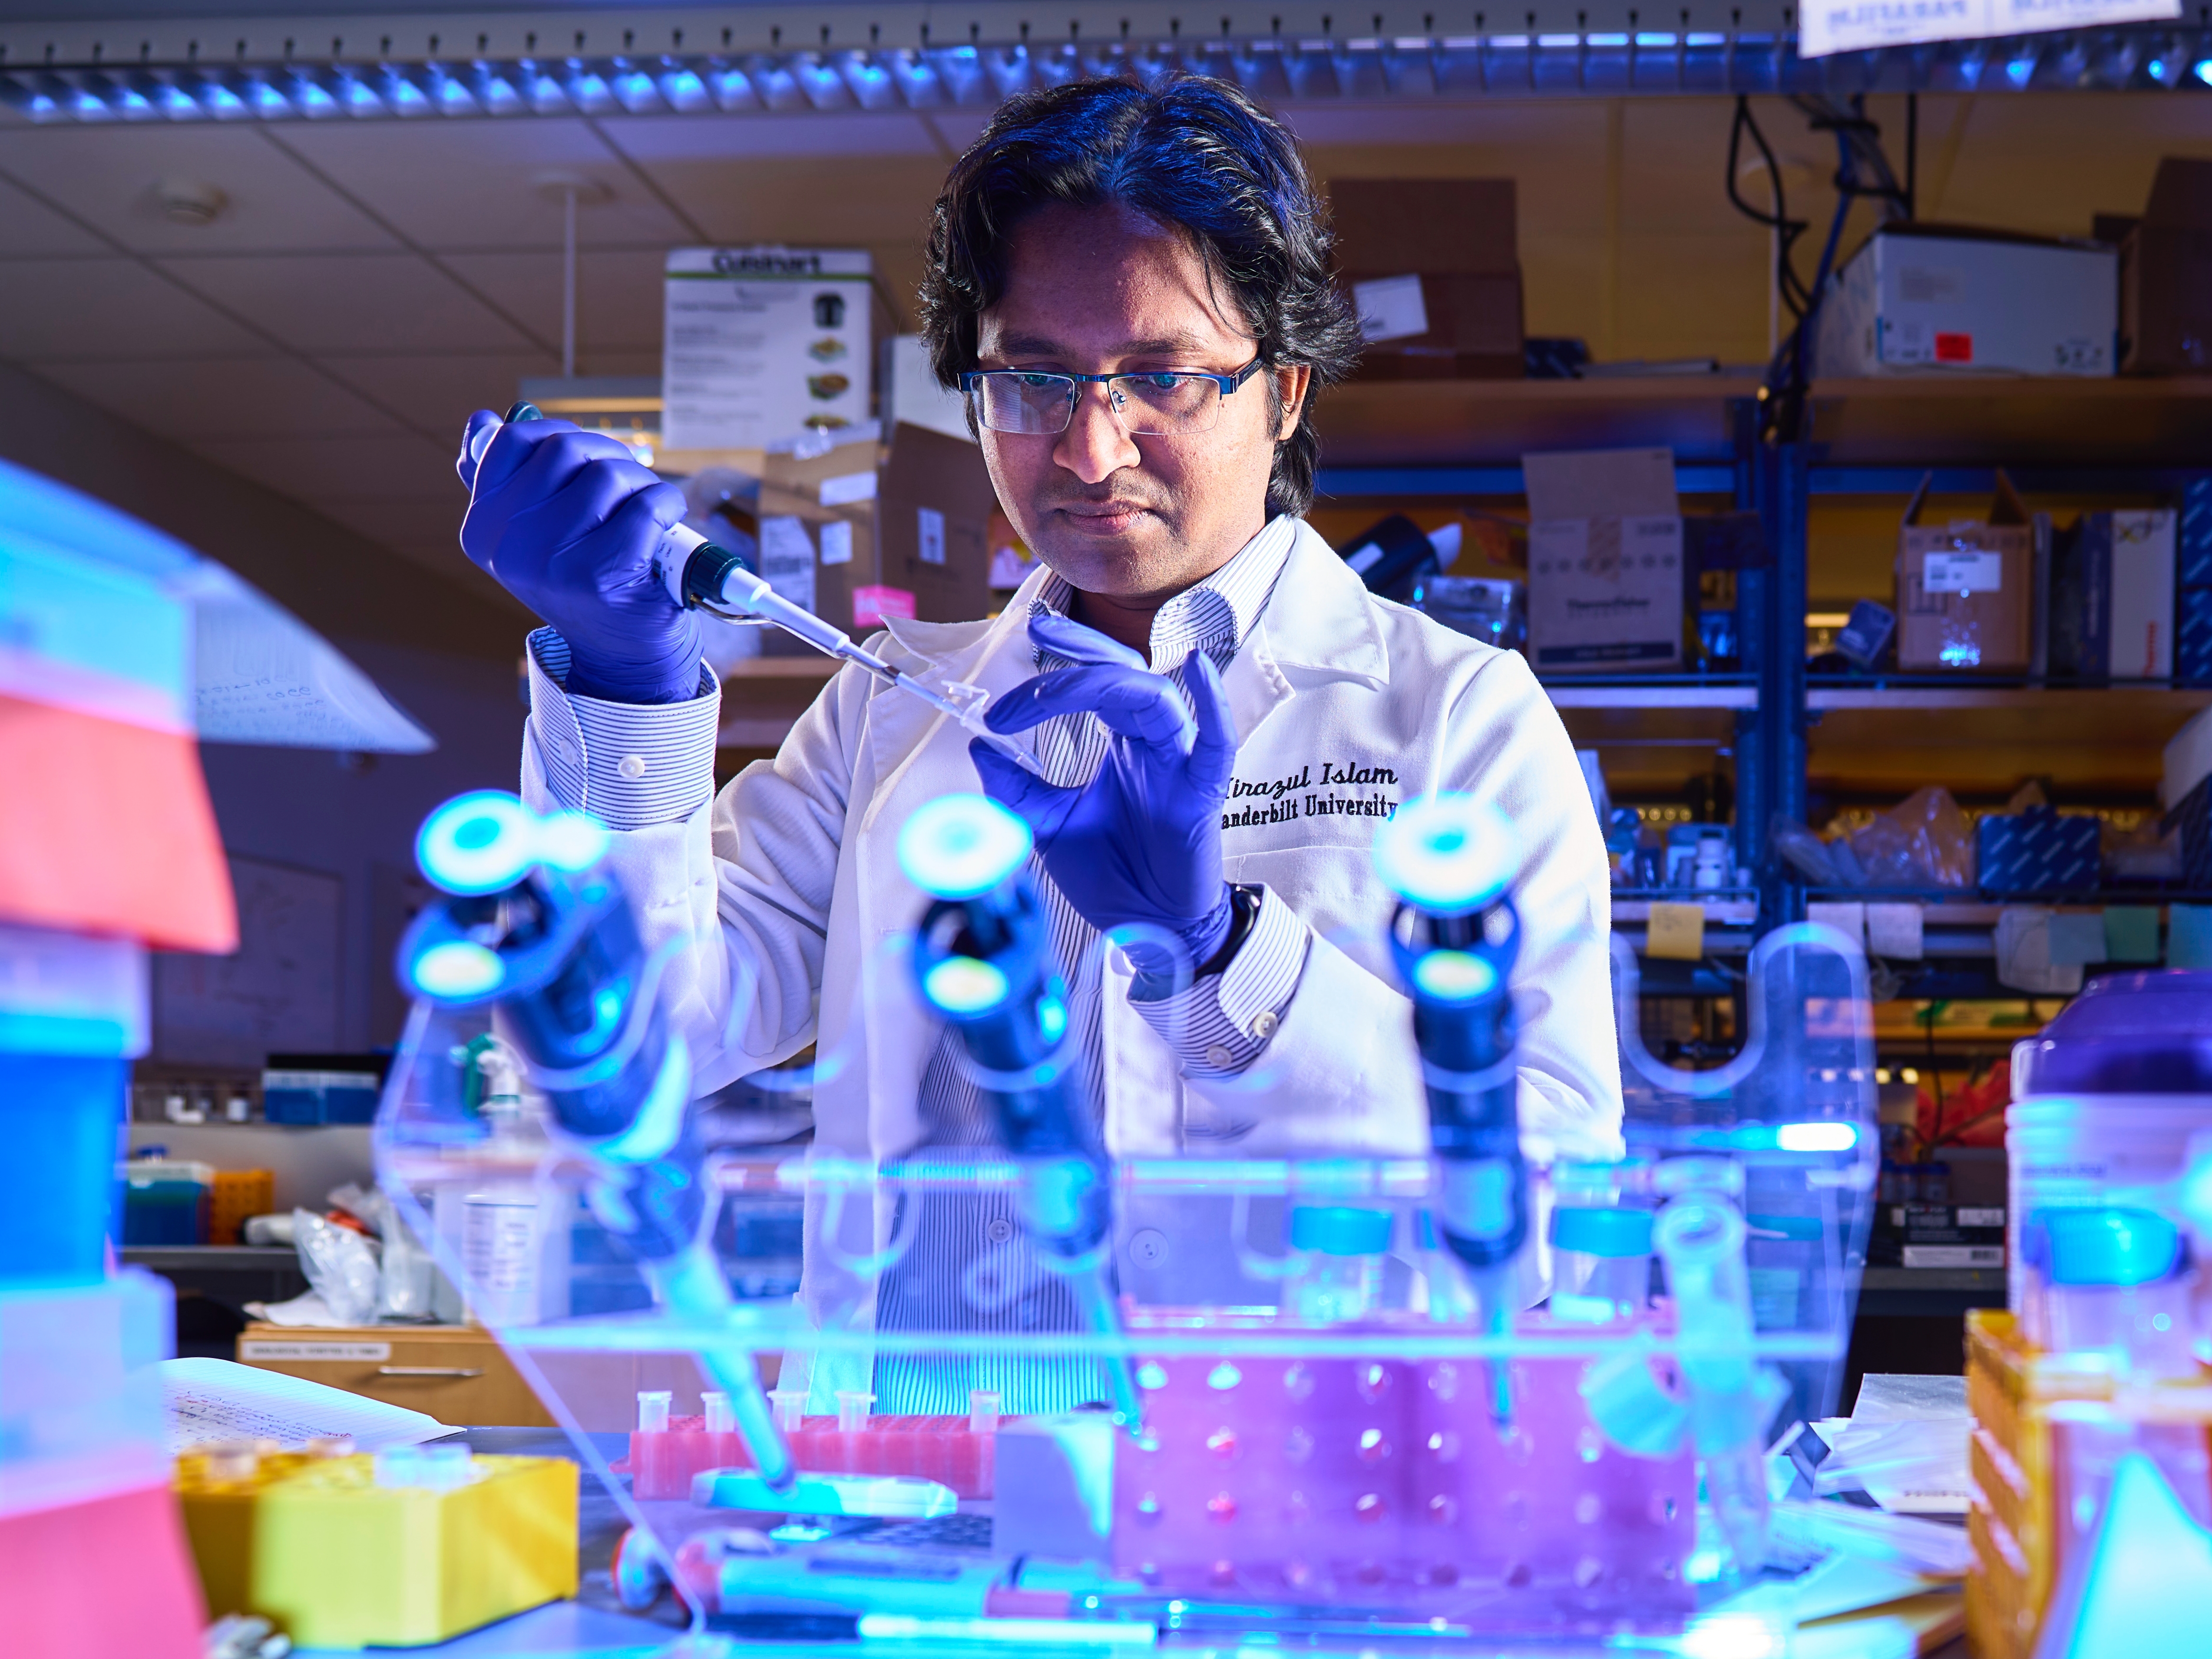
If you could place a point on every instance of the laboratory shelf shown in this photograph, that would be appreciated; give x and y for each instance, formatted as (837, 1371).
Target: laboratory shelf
(211, 1258)
(1873, 436)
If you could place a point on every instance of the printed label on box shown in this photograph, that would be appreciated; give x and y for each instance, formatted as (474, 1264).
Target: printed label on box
(929, 535)
(788, 559)
(847, 488)
(1955, 1256)
(1390, 309)
(259, 1349)
(1973, 1217)
(837, 541)
(1965, 572)
(1954, 348)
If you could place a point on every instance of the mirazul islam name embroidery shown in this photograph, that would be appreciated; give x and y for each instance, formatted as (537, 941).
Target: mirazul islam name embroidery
(1284, 799)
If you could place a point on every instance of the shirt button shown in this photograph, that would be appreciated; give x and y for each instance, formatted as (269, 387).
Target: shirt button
(1263, 1026)
(1000, 1230)
(631, 767)
(1219, 1057)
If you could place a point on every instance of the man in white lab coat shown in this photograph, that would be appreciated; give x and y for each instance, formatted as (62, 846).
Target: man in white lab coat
(1130, 287)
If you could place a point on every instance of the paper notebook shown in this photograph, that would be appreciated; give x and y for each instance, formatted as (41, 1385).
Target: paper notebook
(217, 1400)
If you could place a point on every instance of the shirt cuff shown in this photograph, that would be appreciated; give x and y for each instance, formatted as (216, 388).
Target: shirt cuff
(1219, 1024)
(631, 765)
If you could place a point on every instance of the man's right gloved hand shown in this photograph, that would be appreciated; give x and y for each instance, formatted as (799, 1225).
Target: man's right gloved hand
(571, 526)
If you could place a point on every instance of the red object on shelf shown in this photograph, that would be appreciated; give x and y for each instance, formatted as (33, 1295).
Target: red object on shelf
(662, 1464)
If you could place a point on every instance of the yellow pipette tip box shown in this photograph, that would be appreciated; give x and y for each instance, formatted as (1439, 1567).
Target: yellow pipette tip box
(315, 1545)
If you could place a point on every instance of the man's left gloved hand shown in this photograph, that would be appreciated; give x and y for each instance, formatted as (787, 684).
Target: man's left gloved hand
(1140, 843)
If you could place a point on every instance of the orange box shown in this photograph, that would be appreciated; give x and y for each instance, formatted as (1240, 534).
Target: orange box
(238, 1193)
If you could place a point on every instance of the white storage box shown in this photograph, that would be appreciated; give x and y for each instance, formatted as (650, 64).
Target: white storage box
(1916, 299)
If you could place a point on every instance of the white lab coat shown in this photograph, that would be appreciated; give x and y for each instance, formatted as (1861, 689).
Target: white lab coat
(790, 912)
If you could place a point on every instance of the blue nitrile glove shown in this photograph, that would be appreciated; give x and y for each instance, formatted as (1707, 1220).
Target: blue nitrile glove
(570, 525)
(1141, 842)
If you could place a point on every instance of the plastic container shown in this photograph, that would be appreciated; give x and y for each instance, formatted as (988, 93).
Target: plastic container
(165, 1202)
(1342, 1279)
(2107, 1097)
(1602, 1264)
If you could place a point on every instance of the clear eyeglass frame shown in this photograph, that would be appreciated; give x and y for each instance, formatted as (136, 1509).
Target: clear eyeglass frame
(1162, 404)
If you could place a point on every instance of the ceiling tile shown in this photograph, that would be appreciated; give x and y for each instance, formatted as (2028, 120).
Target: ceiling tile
(355, 303)
(106, 175)
(438, 393)
(195, 399)
(108, 308)
(817, 201)
(618, 294)
(29, 227)
(472, 184)
(327, 472)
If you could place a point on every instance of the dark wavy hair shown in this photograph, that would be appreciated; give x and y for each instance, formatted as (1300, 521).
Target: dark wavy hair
(1191, 153)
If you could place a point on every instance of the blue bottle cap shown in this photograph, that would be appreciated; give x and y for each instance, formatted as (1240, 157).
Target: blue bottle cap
(2142, 1033)
(1339, 1230)
(1613, 1232)
(2103, 1247)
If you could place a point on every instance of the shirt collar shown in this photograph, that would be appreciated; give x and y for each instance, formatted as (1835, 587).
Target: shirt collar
(1214, 615)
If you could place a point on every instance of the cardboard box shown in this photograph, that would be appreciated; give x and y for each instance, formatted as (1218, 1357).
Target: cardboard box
(1923, 299)
(861, 533)
(2166, 275)
(2036, 851)
(933, 520)
(1434, 267)
(1964, 599)
(2113, 597)
(1605, 583)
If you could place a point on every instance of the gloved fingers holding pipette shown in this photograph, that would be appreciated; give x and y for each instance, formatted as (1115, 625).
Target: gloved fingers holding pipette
(1141, 842)
(573, 527)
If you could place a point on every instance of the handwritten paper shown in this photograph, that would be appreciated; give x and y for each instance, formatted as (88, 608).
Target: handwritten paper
(216, 1399)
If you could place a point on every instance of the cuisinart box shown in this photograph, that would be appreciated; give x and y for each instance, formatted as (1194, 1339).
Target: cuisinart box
(1920, 298)
(764, 344)
(1605, 561)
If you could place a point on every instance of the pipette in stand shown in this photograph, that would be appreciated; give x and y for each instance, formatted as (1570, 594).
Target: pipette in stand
(1451, 860)
(702, 576)
(983, 963)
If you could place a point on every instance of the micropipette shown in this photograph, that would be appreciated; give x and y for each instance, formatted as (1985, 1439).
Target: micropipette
(701, 576)
(1451, 861)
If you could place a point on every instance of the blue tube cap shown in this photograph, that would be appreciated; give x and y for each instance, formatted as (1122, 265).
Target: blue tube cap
(2103, 1247)
(1611, 1232)
(1339, 1230)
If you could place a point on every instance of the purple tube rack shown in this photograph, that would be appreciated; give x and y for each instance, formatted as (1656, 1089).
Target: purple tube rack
(1384, 1484)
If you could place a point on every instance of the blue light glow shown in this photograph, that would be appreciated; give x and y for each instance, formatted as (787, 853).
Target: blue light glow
(479, 842)
(2203, 71)
(403, 95)
(634, 88)
(1447, 854)
(1453, 977)
(313, 101)
(964, 985)
(684, 89)
(960, 846)
(268, 101)
(586, 90)
(458, 970)
(221, 101)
